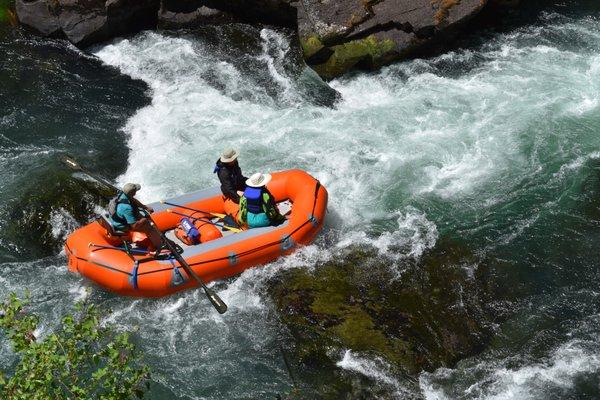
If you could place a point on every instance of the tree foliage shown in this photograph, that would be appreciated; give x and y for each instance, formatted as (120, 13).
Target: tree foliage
(80, 360)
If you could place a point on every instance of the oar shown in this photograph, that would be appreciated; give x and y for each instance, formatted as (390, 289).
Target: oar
(212, 296)
(74, 165)
(193, 209)
(231, 228)
(134, 251)
(216, 301)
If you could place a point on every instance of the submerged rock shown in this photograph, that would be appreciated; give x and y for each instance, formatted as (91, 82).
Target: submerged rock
(41, 217)
(430, 315)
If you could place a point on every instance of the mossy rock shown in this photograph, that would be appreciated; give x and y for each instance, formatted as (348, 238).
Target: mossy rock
(365, 53)
(314, 51)
(310, 45)
(431, 315)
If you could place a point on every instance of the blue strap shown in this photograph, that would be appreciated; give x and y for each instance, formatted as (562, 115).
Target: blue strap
(133, 279)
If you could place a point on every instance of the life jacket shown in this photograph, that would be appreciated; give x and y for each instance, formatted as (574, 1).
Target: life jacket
(254, 199)
(113, 205)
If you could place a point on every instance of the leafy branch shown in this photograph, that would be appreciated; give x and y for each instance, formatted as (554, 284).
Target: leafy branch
(80, 360)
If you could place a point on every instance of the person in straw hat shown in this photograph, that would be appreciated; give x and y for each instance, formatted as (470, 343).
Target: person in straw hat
(257, 205)
(233, 182)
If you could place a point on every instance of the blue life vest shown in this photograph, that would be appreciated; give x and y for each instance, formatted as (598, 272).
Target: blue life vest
(254, 199)
(190, 230)
(113, 206)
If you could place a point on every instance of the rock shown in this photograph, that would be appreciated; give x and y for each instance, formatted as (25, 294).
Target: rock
(190, 19)
(39, 14)
(85, 22)
(336, 36)
(34, 215)
(273, 12)
(371, 33)
(431, 315)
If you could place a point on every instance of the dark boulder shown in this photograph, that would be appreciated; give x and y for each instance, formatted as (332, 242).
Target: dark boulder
(39, 14)
(336, 36)
(371, 33)
(273, 12)
(84, 22)
(189, 15)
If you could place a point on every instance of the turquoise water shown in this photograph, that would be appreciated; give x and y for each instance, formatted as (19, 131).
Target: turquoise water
(494, 145)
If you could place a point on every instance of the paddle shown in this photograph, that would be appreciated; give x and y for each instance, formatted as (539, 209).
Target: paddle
(133, 251)
(193, 209)
(231, 228)
(74, 165)
(216, 301)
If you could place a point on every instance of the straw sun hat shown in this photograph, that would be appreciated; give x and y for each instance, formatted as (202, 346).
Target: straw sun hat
(229, 155)
(258, 180)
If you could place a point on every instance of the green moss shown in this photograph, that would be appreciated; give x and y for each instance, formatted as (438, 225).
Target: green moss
(310, 46)
(368, 51)
(431, 316)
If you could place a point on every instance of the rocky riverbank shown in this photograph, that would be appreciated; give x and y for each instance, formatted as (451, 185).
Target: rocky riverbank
(335, 36)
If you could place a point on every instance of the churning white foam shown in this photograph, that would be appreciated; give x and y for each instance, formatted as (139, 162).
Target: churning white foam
(175, 140)
(533, 381)
(63, 223)
(396, 140)
(376, 369)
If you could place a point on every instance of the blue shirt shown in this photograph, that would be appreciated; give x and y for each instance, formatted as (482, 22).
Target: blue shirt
(125, 211)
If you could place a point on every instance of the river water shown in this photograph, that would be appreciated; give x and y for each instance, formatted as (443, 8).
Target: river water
(494, 144)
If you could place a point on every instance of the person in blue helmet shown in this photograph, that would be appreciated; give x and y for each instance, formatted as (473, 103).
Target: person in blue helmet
(257, 204)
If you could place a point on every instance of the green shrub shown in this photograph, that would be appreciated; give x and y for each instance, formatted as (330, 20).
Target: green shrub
(81, 359)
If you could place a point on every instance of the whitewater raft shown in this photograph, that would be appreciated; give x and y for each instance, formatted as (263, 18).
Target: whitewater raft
(132, 274)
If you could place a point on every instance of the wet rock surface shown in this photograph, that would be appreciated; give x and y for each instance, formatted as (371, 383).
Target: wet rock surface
(42, 217)
(85, 22)
(335, 36)
(368, 34)
(435, 312)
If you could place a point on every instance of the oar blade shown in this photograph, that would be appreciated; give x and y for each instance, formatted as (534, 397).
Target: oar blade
(71, 163)
(216, 301)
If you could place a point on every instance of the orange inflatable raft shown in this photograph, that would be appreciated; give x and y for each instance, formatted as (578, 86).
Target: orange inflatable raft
(89, 249)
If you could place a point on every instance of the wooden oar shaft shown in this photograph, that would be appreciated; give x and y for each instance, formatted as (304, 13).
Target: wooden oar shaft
(216, 301)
